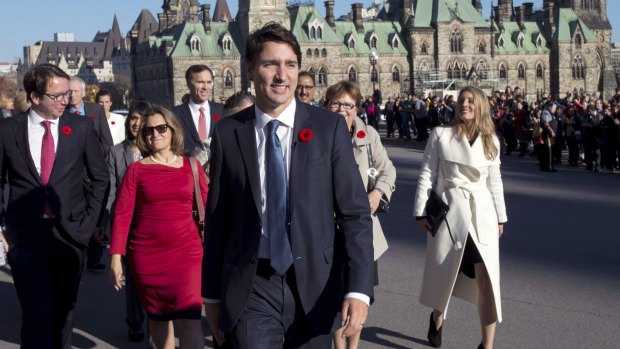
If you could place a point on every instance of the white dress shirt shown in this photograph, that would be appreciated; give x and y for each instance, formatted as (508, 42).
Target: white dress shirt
(35, 136)
(117, 127)
(195, 110)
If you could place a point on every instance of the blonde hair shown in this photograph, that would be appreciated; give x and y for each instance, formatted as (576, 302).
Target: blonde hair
(20, 102)
(483, 122)
(176, 142)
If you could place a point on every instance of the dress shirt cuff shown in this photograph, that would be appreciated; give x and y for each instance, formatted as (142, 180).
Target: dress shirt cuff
(362, 297)
(210, 300)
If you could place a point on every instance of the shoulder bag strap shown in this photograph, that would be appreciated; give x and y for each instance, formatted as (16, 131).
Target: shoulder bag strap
(198, 197)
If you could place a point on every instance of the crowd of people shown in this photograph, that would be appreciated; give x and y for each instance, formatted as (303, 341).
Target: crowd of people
(264, 211)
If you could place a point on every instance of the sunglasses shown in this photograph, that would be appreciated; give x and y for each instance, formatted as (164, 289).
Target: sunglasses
(161, 129)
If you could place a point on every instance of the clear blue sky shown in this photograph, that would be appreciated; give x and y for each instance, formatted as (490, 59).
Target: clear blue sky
(25, 22)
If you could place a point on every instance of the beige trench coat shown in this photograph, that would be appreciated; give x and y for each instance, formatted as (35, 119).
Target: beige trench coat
(472, 186)
(385, 179)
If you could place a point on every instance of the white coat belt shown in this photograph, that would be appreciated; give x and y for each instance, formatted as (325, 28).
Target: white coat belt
(469, 190)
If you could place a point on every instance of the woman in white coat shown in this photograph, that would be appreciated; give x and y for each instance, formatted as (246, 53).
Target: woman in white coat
(461, 164)
(377, 171)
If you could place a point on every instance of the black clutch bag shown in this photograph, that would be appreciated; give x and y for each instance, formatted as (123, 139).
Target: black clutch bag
(436, 211)
(384, 206)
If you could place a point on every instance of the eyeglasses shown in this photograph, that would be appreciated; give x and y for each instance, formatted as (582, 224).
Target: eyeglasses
(161, 129)
(305, 87)
(59, 96)
(336, 105)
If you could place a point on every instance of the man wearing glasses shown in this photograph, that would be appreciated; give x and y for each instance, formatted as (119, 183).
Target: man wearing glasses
(305, 88)
(46, 155)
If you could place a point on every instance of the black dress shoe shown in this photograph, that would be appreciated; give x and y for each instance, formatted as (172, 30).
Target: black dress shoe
(135, 336)
(434, 334)
(481, 346)
(95, 266)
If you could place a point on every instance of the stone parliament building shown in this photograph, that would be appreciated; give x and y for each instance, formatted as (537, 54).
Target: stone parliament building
(420, 45)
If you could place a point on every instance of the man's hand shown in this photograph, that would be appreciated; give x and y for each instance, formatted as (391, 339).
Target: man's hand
(424, 225)
(212, 312)
(374, 198)
(6, 244)
(354, 314)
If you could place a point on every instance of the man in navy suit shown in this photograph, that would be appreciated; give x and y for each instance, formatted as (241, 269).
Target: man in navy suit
(198, 115)
(276, 270)
(46, 155)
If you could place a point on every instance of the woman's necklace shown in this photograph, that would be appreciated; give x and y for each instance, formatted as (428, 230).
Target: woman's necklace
(167, 163)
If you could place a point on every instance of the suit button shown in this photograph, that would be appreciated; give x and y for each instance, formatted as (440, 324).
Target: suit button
(299, 258)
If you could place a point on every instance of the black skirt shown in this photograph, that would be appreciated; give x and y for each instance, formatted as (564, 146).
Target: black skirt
(471, 256)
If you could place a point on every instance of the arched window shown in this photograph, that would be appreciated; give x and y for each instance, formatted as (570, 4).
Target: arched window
(373, 42)
(316, 52)
(540, 73)
(423, 71)
(520, 41)
(352, 74)
(482, 69)
(322, 76)
(351, 43)
(309, 53)
(424, 48)
(395, 43)
(578, 68)
(195, 43)
(456, 71)
(456, 42)
(323, 53)
(226, 44)
(319, 33)
(539, 42)
(228, 79)
(463, 72)
(577, 41)
(500, 42)
(312, 72)
(450, 72)
(481, 48)
(395, 74)
(503, 72)
(521, 71)
(313, 33)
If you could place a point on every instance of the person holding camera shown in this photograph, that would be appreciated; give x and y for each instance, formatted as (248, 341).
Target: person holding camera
(377, 171)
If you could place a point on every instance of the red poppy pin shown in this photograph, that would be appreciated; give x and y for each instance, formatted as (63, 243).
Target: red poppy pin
(361, 134)
(66, 130)
(113, 123)
(305, 135)
(92, 117)
(216, 117)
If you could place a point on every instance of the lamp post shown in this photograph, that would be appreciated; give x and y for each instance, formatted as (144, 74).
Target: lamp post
(373, 57)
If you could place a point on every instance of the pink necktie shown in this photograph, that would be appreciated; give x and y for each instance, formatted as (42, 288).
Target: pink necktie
(48, 155)
(202, 125)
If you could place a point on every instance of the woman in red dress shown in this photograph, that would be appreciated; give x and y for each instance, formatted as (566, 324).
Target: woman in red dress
(164, 248)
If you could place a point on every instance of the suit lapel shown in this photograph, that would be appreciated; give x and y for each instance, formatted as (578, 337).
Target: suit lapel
(127, 154)
(246, 138)
(299, 152)
(65, 143)
(188, 120)
(214, 119)
(23, 144)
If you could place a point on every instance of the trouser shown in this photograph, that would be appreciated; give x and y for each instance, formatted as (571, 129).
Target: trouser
(389, 120)
(573, 150)
(608, 157)
(546, 155)
(405, 131)
(134, 311)
(274, 317)
(511, 139)
(421, 126)
(590, 155)
(47, 273)
(94, 252)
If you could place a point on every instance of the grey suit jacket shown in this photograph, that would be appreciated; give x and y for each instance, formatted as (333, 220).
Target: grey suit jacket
(119, 158)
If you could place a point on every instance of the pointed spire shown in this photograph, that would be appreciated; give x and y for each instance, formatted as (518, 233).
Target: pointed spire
(221, 13)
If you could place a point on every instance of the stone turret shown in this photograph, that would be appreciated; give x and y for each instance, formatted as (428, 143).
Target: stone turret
(206, 19)
(356, 11)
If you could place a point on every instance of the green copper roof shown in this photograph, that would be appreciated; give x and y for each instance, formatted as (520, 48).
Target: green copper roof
(210, 44)
(301, 16)
(384, 31)
(566, 25)
(511, 33)
(432, 11)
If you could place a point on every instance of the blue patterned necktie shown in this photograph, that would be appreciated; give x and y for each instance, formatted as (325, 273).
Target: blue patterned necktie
(275, 177)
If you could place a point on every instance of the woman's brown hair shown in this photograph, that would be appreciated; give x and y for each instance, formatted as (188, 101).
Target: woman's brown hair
(176, 142)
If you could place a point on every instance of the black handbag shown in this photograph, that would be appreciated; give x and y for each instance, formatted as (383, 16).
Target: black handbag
(436, 212)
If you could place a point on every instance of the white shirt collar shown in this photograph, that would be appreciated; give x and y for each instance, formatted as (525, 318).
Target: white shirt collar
(286, 117)
(196, 107)
(36, 119)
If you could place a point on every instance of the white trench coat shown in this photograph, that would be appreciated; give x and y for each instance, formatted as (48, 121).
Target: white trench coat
(472, 186)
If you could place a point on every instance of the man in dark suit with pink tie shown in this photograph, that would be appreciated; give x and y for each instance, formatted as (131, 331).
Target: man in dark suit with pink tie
(198, 115)
(46, 155)
(277, 272)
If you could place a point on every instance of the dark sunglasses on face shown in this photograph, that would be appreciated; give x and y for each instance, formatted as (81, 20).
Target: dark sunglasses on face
(161, 129)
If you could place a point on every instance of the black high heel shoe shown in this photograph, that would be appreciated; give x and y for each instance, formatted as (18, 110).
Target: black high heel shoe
(434, 334)
(481, 346)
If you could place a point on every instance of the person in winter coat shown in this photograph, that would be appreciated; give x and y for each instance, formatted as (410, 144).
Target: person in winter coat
(461, 164)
